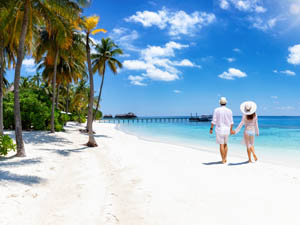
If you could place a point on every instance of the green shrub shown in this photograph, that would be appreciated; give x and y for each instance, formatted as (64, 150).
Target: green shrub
(6, 145)
(35, 111)
(98, 115)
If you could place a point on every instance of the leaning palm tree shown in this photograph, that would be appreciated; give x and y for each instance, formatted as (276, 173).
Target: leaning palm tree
(105, 56)
(33, 13)
(89, 25)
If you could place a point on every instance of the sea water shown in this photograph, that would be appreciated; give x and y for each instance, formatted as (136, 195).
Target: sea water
(278, 142)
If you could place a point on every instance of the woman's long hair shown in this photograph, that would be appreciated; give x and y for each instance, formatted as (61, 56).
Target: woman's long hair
(250, 117)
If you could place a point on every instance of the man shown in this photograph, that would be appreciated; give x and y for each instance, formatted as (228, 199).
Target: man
(223, 122)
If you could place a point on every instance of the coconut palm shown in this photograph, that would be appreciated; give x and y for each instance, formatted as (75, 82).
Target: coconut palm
(89, 25)
(34, 12)
(105, 56)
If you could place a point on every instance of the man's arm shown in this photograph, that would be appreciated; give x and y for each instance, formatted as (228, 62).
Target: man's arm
(211, 128)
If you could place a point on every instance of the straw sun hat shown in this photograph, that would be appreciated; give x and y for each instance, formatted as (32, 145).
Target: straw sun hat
(248, 107)
(223, 101)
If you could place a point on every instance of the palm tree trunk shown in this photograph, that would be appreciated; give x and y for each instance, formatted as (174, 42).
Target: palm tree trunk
(67, 105)
(1, 86)
(92, 141)
(20, 57)
(100, 92)
(53, 91)
(57, 95)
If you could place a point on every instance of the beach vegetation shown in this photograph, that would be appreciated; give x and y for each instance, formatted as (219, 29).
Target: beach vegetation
(105, 56)
(6, 145)
(89, 27)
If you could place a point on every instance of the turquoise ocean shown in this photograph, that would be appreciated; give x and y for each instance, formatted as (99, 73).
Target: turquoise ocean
(279, 140)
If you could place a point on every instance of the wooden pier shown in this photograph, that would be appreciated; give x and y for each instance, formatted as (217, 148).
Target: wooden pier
(147, 120)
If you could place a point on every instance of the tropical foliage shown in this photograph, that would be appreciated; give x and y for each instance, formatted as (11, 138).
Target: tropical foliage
(54, 33)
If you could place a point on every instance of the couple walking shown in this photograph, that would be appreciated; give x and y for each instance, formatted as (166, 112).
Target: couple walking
(223, 123)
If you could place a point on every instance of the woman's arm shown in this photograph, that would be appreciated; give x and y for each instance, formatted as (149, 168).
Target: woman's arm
(240, 125)
(256, 126)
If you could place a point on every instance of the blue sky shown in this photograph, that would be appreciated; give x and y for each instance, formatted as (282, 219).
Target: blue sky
(181, 56)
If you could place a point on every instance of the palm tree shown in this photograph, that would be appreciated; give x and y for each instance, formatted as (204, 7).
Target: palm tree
(105, 56)
(34, 13)
(89, 27)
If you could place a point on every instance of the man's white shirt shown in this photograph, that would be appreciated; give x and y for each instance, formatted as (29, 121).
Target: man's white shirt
(222, 119)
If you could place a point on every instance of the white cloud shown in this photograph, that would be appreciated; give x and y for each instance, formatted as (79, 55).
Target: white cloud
(261, 24)
(28, 62)
(135, 65)
(224, 4)
(232, 73)
(243, 5)
(185, 62)
(275, 71)
(157, 51)
(29, 65)
(294, 56)
(236, 50)
(177, 23)
(274, 97)
(230, 59)
(124, 38)
(177, 91)
(137, 80)
(156, 63)
(288, 72)
(260, 9)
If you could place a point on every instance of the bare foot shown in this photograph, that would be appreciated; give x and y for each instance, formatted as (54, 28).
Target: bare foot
(255, 158)
(250, 161)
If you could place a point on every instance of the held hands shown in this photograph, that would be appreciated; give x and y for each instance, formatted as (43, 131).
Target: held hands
(211, 131)
(232, 132)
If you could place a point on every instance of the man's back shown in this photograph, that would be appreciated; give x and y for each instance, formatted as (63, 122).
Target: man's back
(222, 119)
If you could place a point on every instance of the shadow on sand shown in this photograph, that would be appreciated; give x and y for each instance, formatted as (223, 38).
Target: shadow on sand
(22, 162)
(65, 152)
(101, 136)
(213, 163)
(43, 137)
(238, 163)
(23, 179)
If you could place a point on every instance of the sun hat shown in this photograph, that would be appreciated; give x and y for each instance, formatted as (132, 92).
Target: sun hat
(248, 107)
(223, 100)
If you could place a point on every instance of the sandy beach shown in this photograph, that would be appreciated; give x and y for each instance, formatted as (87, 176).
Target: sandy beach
(129, 181)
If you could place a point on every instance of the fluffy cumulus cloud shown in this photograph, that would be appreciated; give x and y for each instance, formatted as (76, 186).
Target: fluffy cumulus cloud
(155, 63)
(177, 23)
(125, 37)
(232, 73)
(243, 5)
(294, 56)
(137, 80)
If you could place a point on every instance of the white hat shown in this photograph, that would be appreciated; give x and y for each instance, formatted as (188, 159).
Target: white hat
(248, 107)
(223, 100)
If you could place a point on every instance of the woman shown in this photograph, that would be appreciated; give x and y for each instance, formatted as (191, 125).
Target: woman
(251, 127)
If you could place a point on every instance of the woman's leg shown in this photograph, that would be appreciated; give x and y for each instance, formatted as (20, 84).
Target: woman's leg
(248, 145)
(249, 154)
(253, 152)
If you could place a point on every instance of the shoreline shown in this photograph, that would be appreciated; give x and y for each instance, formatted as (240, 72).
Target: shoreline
(127, 180)
(242, 154)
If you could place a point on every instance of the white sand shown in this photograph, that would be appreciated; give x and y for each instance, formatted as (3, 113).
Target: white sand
(130, 181)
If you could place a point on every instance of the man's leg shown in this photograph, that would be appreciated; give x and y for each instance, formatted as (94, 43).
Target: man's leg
(222, 152)
(225, 152)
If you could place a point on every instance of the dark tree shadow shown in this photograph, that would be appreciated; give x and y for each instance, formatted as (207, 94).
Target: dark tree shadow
(65, 152)
(23, 179)
(102, 136)
(238, 164)
(212, 163)
(22, 162)
(38, 137)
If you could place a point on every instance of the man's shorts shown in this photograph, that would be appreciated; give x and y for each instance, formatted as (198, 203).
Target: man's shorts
(222, 138)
